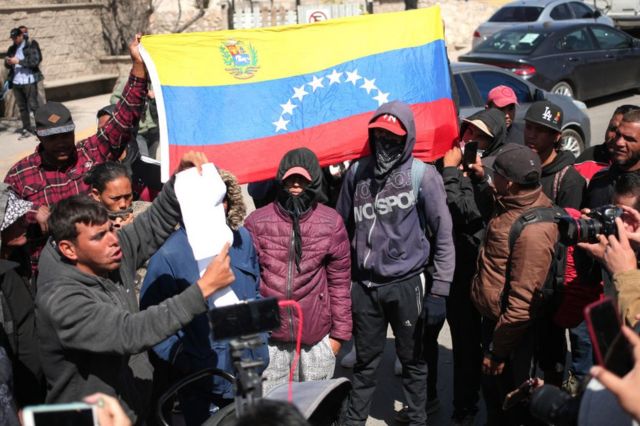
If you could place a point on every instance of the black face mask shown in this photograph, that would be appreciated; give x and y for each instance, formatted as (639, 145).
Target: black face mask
(388, 153)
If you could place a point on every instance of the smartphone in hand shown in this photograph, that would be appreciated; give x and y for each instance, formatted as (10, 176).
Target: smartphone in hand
(470, 154)
(74, 414)
(611, 348)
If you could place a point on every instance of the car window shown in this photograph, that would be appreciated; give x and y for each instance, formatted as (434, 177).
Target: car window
(516, 42)
(487, 80)
(575, 41)
(581, 10)
(464, 99)
(561, 12)
(517, 14)
(610, 39)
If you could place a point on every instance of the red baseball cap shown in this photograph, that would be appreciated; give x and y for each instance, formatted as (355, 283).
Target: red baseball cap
(389, 122)
(297, 171)
(502, 96)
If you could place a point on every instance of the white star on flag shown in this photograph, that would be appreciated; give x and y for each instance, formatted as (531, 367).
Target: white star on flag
(334, 77)
(281, 124)
(382, 98)
(369, 85)
(288, 107)
(316, 83)
(300, 92)
(353, 77)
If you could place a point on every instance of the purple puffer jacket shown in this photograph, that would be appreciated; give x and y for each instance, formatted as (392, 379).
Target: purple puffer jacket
(322, 288)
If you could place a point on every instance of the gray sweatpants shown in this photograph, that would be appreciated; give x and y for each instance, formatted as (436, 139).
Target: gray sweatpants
(317, 362)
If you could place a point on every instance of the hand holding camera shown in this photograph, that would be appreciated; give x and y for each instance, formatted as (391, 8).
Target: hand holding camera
(615, 253)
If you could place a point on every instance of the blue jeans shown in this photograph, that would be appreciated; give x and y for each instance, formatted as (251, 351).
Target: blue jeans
(581, 350)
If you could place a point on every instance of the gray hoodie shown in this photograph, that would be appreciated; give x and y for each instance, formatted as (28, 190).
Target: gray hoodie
(92, 335)
(387, 241)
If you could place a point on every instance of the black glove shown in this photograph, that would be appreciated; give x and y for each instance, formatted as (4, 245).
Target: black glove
(435, 308)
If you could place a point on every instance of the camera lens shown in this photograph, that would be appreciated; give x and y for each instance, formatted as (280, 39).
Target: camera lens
(574, 231)
(590, 230)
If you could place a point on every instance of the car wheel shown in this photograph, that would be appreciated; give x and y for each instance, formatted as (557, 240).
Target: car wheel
(572, 141)
(563, 88)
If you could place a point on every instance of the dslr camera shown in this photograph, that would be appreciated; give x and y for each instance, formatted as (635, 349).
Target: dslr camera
(602, 220)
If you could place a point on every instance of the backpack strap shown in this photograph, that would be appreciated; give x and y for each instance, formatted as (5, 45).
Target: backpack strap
(535, 215)
(557, 180)
(418, 169)
(360, 167)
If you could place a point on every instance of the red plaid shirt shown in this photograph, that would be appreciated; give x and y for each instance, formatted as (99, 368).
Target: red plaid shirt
(45, 185)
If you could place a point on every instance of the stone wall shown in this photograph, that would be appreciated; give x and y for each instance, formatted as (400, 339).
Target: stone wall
(167, 16)
(69, 34)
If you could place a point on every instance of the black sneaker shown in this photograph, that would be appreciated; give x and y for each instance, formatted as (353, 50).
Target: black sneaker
(402, 416)
(463, 418)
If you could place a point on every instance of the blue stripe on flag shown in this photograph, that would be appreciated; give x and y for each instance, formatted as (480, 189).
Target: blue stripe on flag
(223, 114)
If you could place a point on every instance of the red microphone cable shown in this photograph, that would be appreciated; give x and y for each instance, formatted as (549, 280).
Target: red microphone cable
(296, 358)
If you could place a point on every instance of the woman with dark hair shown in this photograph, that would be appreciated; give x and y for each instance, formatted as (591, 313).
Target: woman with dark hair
(171, 270)
(110, 185)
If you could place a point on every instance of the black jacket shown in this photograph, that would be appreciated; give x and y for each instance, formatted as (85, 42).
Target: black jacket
(598, 153)
(32, 59)
(19, 326)
(601, 187)
(92, 335)
(562, 183)
(471, 201)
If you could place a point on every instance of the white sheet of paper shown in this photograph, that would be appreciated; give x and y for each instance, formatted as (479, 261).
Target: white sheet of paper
(200, 198)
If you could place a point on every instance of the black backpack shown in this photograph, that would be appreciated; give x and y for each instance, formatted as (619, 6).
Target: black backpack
(553, 287)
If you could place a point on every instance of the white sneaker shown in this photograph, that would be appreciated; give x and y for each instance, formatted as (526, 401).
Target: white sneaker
(397, 367)
(349, 360)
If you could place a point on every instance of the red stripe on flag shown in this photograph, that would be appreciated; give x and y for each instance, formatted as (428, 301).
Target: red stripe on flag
(341, 140)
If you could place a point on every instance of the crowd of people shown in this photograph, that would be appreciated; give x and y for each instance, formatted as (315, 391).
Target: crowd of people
(101, 293)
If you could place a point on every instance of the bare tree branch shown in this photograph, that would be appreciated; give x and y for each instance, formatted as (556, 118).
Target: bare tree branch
(121, 19)
(202, 6)
(177, 24)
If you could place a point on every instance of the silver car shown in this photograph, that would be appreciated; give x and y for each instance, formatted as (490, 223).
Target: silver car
(472, 83)
(530, 11)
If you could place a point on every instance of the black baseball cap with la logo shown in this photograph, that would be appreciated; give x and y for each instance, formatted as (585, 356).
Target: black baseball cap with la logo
(53, 118)
(546, 114)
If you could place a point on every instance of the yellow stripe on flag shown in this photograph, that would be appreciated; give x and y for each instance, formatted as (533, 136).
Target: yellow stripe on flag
(202, 55)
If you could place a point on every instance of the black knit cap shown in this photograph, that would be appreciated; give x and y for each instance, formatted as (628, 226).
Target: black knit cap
(15, 32)
(53, 118)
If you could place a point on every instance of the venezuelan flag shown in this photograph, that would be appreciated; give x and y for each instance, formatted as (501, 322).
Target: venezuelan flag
(246, 97)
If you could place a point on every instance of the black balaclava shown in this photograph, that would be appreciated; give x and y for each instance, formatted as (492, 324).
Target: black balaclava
(296, 206)
(387, 155)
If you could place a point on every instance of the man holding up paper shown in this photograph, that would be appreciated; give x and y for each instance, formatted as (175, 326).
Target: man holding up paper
(88, 321)
(173, 269)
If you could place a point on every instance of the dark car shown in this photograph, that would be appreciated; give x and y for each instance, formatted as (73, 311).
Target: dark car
(583, 61)
(474, 81)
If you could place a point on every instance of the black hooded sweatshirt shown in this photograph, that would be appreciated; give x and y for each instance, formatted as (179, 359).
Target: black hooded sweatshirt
(562, 183)
(470, 201)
